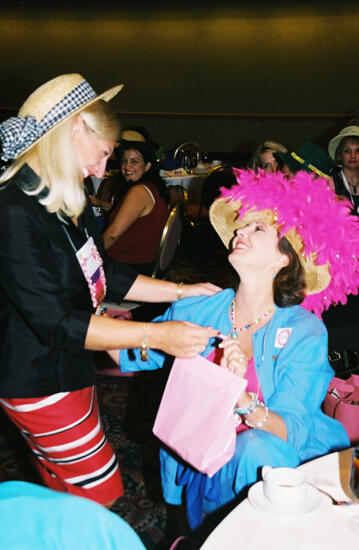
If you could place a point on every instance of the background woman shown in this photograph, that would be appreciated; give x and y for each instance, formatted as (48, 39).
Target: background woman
(53, 279)
(136, 223)
(264, 156)
(278, 346)
(344, 150)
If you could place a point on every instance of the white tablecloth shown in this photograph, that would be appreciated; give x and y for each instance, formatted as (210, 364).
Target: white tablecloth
(191, 182)
(325, 527)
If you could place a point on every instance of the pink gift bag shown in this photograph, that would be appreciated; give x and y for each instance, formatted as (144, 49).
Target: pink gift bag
(195, 417)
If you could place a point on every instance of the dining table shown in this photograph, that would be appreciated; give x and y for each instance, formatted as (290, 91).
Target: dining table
(192, 180)
(253, 525)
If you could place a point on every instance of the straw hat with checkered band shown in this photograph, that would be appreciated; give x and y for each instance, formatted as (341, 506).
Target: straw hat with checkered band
(45, 109)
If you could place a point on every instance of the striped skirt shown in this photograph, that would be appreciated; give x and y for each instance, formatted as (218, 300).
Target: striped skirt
(70, 448)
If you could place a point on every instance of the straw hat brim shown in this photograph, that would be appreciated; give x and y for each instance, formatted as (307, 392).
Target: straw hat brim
(105, 96)
(349, 131)
(224, 217)
(132, 135)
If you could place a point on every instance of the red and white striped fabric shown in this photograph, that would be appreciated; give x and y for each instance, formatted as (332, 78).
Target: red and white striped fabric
(71, 451)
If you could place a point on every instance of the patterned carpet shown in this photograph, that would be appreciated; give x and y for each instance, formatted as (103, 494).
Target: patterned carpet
(128, 407)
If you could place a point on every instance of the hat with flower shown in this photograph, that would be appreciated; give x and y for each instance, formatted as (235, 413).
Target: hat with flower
(314, 220)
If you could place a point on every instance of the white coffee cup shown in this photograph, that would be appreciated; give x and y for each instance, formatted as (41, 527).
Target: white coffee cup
(285, 488)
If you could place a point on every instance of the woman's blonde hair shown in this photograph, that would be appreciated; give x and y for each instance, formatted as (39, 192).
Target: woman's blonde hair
(266, 147)
(59, 167)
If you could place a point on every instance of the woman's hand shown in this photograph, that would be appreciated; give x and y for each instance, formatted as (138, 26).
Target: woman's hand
(102, 204)
(200, 289)
(233, 357)
(179, 338)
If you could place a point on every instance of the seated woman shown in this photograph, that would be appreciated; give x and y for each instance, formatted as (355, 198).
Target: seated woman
(344, 150)
(136, 223)
(265, 156)
(289, 246)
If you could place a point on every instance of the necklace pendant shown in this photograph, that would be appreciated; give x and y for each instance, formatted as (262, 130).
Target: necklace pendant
(234, 334)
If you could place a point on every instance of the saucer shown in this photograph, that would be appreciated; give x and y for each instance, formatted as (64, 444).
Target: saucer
(258, 499)
(202, 168)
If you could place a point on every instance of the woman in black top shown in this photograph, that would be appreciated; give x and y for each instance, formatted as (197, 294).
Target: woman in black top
(54, 277)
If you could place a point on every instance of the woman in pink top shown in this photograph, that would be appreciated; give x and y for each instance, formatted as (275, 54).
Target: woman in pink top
(136, 223)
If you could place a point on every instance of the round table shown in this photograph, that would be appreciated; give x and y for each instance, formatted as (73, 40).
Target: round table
(191, 182)
(325, 527)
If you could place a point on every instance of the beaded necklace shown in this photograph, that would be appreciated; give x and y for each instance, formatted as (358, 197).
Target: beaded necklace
(236, 330)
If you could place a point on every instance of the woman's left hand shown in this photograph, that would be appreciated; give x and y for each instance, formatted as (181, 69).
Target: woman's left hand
(233, 357)
(199, 289)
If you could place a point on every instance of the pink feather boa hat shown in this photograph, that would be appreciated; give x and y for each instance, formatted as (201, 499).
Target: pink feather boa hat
(315, 221)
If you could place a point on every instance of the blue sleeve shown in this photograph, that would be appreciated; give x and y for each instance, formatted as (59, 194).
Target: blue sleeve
(34, 517)
(202, 310)
(130, 361)
(301, 378)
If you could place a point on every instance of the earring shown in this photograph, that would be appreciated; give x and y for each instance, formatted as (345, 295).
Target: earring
(274, 275)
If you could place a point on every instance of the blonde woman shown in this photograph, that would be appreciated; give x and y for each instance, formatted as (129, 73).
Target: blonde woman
(264, 156)
(53, 280)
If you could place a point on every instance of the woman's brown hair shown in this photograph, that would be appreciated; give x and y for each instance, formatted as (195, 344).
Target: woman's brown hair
(289, 283)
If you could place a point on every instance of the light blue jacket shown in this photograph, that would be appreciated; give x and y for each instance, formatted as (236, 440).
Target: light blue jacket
(294, 377)
(38, 518)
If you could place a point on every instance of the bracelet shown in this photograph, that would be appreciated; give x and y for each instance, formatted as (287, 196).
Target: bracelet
(144, 343)
(179, 290)
(100, 310)
(253, 405)
(261, 422)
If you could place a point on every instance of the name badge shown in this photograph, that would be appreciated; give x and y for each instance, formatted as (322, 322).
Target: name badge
(282, 337)
(91, 265)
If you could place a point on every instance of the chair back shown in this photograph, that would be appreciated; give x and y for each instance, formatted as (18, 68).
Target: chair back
(111, 189)
(189, 154)
(169, 240)
(178, 195)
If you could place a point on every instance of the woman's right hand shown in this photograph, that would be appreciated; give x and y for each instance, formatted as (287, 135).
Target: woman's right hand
(180, 338)
(233, 357)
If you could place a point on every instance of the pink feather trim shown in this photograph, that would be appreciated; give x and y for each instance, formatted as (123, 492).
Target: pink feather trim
(321, 218)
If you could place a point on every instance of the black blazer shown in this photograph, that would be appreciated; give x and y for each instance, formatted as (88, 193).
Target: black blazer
(45, 303)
